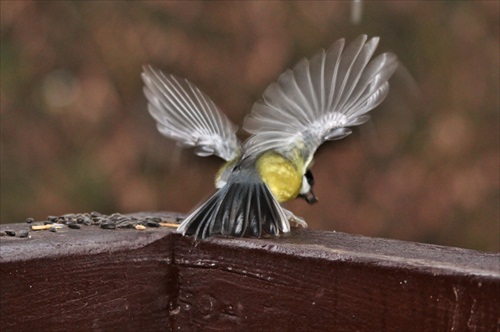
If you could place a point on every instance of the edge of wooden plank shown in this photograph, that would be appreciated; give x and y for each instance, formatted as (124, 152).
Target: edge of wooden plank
(379, 251)
(193, 265)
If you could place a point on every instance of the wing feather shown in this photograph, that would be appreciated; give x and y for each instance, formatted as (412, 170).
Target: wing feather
(185, 114)
(320, 98)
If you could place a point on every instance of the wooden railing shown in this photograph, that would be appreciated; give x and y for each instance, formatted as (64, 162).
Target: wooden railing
(94, 279)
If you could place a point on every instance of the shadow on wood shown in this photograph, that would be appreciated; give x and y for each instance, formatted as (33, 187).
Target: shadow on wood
(155, 280)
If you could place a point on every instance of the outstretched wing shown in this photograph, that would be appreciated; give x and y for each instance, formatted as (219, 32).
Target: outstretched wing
(320, 98)
(187, 115)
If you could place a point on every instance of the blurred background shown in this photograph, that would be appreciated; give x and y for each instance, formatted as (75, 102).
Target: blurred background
(76, 135)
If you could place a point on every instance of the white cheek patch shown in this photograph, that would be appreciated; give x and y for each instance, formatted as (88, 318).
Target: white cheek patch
(305, 186)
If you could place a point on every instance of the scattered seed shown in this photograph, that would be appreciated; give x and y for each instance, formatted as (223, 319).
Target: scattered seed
(169, 224)
(44, 227)
(151, 223)
(23, 233)
(95, 214)
(10, 233)
(108, 225)
(125, 225)
(97, 221)
(113, 221)
(40, 227)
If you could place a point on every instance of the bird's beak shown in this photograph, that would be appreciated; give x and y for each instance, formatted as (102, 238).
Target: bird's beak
(310, 197)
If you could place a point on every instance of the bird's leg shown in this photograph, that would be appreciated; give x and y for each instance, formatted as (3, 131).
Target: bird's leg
(298, 221)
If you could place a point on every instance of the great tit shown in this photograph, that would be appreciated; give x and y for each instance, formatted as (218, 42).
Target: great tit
(314, 102)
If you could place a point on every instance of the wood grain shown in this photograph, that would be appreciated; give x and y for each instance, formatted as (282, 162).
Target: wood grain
(155, 280)
(86, 280)
(316, 281)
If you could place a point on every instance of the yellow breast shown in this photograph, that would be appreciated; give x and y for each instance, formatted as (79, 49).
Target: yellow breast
(282, 176)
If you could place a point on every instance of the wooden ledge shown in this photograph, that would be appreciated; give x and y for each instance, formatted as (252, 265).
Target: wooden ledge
(156, 280)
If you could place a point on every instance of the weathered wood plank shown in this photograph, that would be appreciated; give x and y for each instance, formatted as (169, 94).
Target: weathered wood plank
(153, 280)
(316, 280)
(86, 280)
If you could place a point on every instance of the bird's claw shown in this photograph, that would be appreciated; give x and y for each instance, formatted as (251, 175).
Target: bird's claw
(297, 221)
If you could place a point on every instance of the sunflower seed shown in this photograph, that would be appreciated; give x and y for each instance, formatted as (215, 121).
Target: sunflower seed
(152, 223)
(108, 225)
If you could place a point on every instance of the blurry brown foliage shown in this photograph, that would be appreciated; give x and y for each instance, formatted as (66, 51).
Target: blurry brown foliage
(76, 135)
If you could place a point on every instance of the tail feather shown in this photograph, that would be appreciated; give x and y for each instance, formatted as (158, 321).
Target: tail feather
(238, 209)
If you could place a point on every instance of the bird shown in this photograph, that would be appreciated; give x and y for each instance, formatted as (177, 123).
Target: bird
(318, 100)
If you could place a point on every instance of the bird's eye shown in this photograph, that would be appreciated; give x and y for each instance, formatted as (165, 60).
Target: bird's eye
(310, 178)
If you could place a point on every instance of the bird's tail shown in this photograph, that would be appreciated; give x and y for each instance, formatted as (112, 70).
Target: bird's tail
(238, 209)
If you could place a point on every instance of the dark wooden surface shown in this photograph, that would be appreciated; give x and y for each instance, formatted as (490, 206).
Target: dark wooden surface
(88, 279)
(154, 280)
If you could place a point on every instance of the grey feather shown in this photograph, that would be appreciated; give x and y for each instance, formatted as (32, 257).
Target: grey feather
(243, 207)
(187, 115)
(311, 103)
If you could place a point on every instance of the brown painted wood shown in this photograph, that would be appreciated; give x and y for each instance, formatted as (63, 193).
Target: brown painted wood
(86, 280)
(153, 280)
(316, 281)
